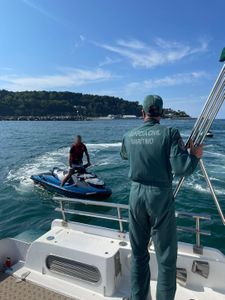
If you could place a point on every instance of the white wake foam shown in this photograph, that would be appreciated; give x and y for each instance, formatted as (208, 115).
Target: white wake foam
(20, 177)
(103, 146)
(215, 154)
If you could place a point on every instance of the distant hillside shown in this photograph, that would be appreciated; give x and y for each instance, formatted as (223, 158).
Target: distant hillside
(43, 103)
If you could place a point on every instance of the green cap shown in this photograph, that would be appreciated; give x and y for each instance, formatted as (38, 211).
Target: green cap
(222, 57)
(152, 100)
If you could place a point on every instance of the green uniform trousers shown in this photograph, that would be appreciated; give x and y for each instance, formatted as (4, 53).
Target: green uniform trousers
(152, 214)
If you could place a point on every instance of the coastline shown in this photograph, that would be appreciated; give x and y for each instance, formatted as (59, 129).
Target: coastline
(77, 118)
(43, 118)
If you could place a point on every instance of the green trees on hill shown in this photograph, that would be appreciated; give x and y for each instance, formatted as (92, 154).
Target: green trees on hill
(42, 103)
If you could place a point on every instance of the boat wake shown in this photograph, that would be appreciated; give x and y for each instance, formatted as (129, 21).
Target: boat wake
(105, 158)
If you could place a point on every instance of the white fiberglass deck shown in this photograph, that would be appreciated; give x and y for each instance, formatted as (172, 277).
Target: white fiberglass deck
(109, 252)
(10, 289)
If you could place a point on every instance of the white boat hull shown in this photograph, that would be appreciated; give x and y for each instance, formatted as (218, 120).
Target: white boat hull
(109, 252)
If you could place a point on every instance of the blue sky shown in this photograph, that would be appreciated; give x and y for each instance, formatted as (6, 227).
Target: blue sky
(125, 48)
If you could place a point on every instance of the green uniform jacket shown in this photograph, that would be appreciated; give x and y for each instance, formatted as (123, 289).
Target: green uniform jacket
(156, 152)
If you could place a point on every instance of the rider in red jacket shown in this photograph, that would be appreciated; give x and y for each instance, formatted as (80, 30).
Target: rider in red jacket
(77, 151)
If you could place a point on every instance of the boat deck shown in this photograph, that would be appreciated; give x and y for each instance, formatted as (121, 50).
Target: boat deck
(98, 247)
(11, 289)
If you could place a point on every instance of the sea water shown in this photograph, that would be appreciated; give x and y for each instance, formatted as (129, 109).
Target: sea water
(29, 148)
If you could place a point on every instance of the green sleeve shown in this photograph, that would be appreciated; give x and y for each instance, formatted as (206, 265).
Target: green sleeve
(182, 163)
(123, 151)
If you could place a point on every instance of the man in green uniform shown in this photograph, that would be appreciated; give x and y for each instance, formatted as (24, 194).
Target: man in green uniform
(155, 152)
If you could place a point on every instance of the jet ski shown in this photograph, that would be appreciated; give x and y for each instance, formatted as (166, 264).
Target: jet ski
(82, 184)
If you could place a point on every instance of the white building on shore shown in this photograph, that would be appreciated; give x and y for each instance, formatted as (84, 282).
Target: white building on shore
(129, 117)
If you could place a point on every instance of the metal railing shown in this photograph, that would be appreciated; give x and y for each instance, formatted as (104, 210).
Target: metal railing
(121, 220)
(197, 230)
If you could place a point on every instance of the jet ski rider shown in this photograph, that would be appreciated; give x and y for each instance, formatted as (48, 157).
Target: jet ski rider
(77, 151)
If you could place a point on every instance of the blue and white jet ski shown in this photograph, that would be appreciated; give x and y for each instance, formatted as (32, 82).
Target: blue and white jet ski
(81, 185)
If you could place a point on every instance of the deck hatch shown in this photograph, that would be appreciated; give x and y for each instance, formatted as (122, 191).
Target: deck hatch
(73, 269)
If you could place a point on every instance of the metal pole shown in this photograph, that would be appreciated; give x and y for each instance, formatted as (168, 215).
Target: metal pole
(212, 191)
(63, 212)
(207, 116)
(221, 100)
(197, 248)
(179, 185)
(198, 241)
(208, 101)
(213, 108)
(207, 122)
(120, 219)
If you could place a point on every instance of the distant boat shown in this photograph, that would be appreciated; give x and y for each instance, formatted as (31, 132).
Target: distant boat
(209, 134)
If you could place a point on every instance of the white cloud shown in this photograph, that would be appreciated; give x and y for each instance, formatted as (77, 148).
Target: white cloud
(82, 38)
(41, 10)
(105, 93)
(67, 78)
(80, 42)
(134, 44)
(109, 61)
(188, 99)
(167, 81)
(7, 69)
(136, 90)
(159, 53)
